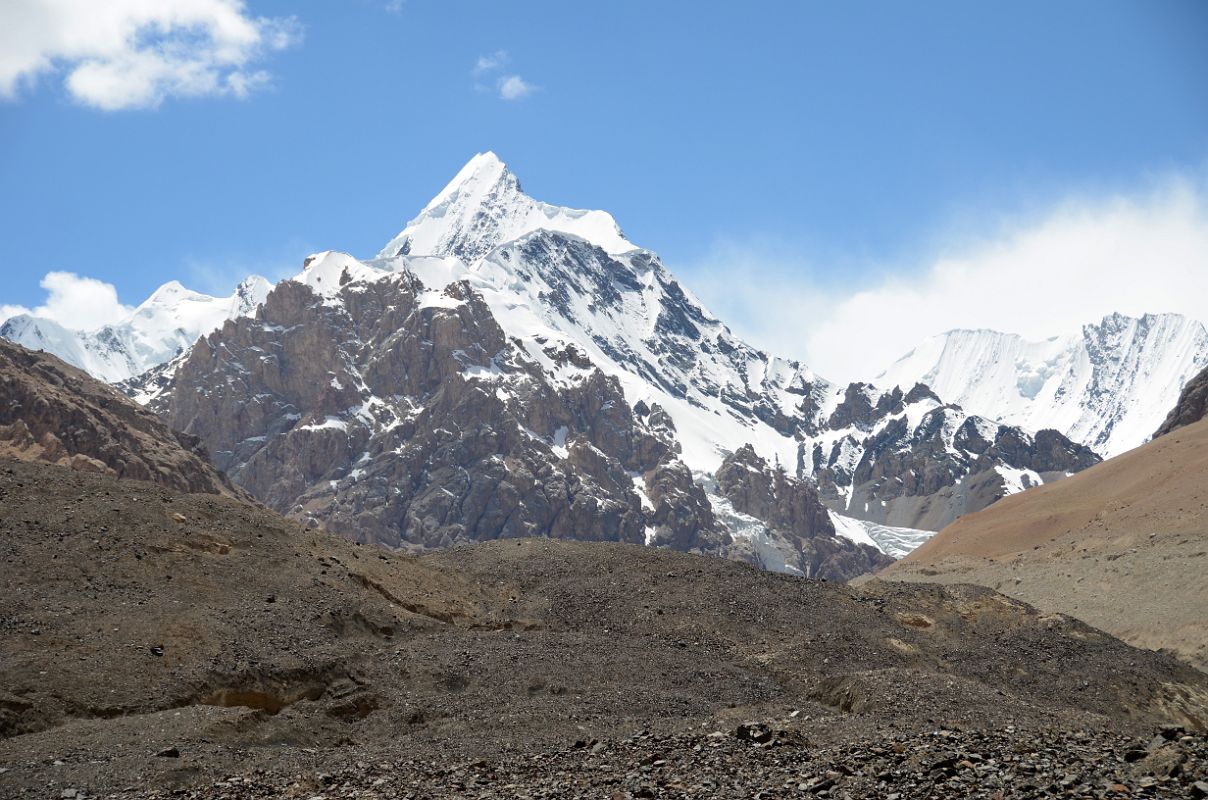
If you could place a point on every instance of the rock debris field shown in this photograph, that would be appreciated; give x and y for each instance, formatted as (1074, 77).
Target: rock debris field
(159, 644)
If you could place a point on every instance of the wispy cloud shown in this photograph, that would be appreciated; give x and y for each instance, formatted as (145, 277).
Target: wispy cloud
(513, 87)
(506, 87)
(489, 63)
(74, 302)
(218, 273)
(1043, 276)
(128, 54)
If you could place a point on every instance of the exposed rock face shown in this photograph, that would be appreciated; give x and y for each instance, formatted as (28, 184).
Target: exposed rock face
(862, 406)
(1191, 407)
(913, 461)
(52, 412)
(403, 416)
(791, 508)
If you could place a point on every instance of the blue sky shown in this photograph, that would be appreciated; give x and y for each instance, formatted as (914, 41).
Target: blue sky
(840, 144)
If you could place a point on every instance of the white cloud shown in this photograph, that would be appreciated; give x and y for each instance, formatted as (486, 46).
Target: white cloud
(513, 87)
(75, 302)
(123, 54)
(490, 63)
(7, 310)
(509, 87)
(1043, 277)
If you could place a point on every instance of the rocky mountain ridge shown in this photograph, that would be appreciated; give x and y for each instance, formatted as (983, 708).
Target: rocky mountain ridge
(1108, 386)
(392, 413)
(911, 460)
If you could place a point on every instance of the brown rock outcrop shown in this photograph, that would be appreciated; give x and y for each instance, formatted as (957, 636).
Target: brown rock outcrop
(1191, 407)
(53, 412)
(388, 415)
(795, 516)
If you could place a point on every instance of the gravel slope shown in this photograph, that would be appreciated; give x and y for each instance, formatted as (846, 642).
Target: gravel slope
(140, 621)
(1123, 546)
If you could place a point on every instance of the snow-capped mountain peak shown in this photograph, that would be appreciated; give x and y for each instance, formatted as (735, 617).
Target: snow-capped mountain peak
(173, 317)
(1107, 385)
(326, 271)
(484, 207)
(169, 292)
(248, 294)
(37, 333)
(573, 303)
(165, 324)
(482, 174)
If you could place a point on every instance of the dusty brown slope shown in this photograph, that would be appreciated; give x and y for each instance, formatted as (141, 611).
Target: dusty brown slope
(244, 641)
(53, 412)
(1123, 545)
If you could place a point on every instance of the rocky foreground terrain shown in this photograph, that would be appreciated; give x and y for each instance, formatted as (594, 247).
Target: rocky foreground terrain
(765, 762)
(163, 644)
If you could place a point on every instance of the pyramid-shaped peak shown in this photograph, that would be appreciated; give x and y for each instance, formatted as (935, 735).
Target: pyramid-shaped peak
(481, 175)
(484, 207)
(482, 165)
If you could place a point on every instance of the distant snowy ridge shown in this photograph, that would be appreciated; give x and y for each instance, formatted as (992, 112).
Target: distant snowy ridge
(1109, 386)
(163, 326)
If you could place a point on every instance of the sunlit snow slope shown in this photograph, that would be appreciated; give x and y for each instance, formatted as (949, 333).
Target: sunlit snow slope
(1109, 386)
(165, 324)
